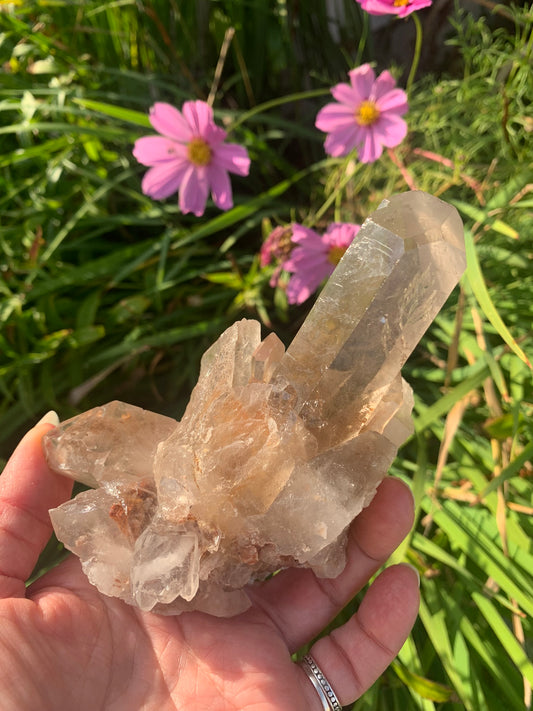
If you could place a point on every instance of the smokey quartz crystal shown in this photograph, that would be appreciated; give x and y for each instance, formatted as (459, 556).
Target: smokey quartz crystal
(278, 450)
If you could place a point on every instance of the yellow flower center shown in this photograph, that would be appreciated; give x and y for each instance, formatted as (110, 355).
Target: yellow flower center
(335, 255)
(367, 113)
(401, 3)
(199, 152)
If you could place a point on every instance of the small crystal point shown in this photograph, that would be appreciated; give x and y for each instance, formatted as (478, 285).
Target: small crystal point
(277, 451)
(90, 447)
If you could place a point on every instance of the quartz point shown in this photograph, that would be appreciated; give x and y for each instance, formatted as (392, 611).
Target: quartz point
(278, 451)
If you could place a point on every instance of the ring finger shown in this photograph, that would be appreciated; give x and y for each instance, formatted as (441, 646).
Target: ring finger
(353, 656)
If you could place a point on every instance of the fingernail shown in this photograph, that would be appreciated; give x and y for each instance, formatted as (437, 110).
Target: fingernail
(50, 418)
(408, 565)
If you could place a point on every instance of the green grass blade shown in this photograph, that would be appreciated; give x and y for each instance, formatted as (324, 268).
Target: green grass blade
(479, 288)
(472, 540)
(511, 470)
(427, 689)
(507, 639)
(436, 626)
(138, 118)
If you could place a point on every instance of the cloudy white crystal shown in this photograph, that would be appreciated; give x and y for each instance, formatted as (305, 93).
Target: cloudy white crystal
(278, 451)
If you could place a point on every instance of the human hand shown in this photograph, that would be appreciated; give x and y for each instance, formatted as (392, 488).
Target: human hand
(65, 646)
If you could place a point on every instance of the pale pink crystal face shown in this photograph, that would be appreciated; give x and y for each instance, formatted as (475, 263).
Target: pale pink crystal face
(278, 451)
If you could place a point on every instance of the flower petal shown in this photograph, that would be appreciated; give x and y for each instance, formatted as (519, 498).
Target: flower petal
(387, 7)
(307, 236)
(340, 234)
(371, 149)
(345, 94)
(413, 6)
(275, 277)
(167, 120)
(380, 7)
(151, 150)
(303, 284)
(303, 261)
(341, 142)
(232, 157)
(390, 130)
(194, 190)
(384, 83)
(332, 117)
(395, 100)
(220, 187)
(214, 135)
(309, 261)
(163, 180)
(199, 116)
(362, 80)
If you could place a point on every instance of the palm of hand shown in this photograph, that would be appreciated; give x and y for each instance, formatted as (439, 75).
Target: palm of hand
(64, 645)
(86, 651)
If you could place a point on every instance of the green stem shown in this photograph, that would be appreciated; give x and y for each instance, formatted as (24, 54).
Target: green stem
(418, 49)
(363, 39)
(342, 183)
(267, 105)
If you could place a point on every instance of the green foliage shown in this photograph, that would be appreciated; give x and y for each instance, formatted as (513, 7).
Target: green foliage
(98, 282)
(105, 293)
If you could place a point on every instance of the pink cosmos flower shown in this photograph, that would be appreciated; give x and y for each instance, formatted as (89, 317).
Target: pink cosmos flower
(190, 156)
(402, 8)
(277, 246)
(366, 117)
(315, 257)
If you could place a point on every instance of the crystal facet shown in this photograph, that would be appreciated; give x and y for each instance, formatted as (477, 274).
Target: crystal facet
(278, 451)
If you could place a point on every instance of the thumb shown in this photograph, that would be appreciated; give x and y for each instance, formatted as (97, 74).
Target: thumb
(27, 490)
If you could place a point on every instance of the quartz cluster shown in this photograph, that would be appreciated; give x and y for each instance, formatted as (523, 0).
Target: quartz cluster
(278, 450)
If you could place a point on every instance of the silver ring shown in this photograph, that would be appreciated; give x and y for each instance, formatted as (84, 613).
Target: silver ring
(329, 699)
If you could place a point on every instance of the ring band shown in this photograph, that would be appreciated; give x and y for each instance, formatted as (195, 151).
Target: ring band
(329, 699)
